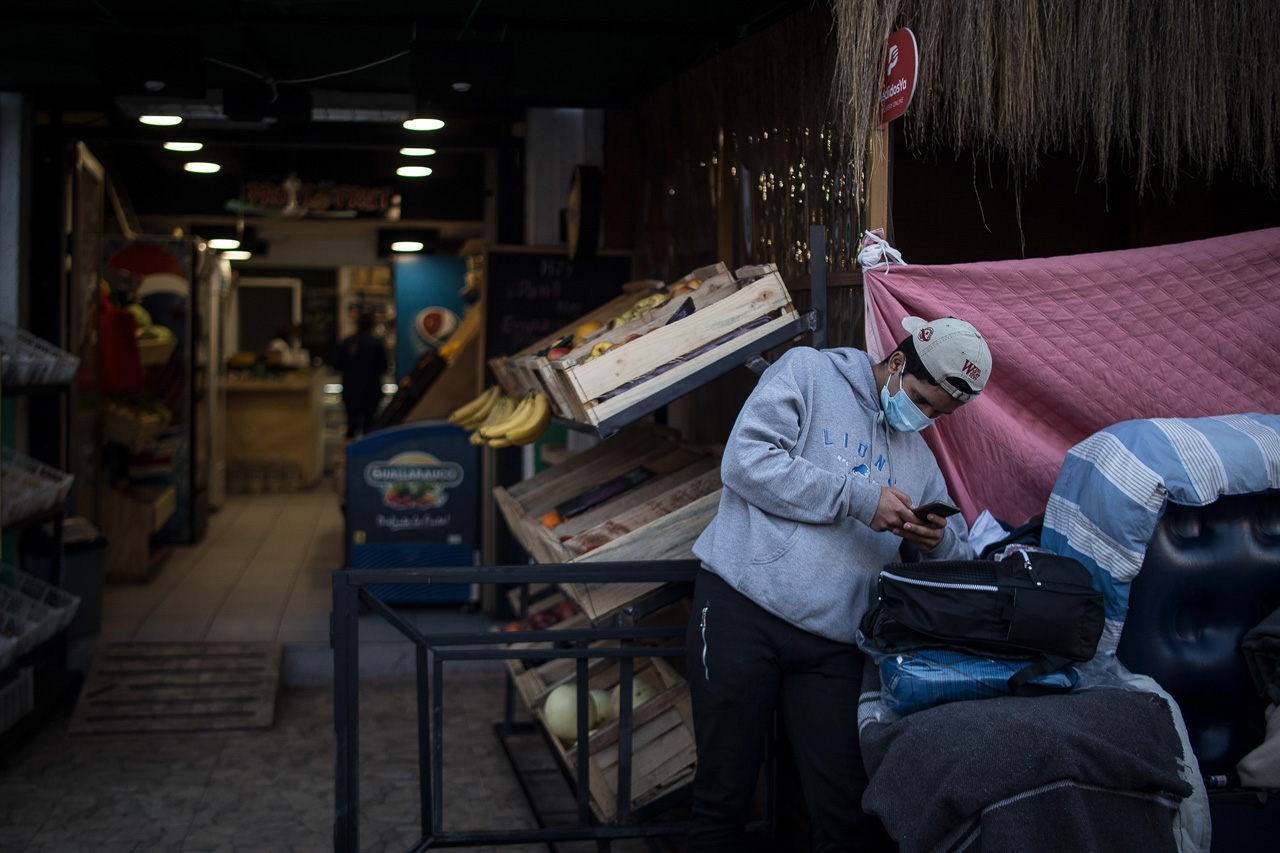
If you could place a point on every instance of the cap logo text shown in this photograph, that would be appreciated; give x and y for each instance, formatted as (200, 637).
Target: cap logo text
(926, 333)
(971, 370)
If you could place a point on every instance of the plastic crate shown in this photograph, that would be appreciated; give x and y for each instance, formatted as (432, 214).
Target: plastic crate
(61, 603)
(29, 487)
(17, 698)
(31, 360)
(11, 628)
(34, 622)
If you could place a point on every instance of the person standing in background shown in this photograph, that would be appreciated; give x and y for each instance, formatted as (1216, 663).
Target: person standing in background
(362, 360)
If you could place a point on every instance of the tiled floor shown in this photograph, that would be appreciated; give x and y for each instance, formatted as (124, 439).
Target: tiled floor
(261, 574)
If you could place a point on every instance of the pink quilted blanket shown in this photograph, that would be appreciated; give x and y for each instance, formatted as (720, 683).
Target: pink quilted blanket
(1083, 341)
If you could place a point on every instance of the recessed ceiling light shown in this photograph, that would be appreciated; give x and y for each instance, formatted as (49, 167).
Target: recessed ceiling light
(414, 171)
(417, 152)
(423, 124)
(160, 121)
(184, 146)
(206, 168)
(237, 255)
(221, 243)
(406, 246)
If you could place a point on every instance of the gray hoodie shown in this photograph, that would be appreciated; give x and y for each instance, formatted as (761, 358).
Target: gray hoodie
(802, 473)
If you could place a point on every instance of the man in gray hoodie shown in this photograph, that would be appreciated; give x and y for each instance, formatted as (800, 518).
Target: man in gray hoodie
(822, 473)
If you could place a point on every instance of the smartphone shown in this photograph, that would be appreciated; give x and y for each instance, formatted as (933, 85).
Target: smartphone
(941, 508)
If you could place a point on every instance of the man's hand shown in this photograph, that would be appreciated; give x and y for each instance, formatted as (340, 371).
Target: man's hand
(896, 514)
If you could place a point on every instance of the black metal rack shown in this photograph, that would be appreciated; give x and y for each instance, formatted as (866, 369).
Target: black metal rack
(675, 578)
(53, 682)
(433, 650)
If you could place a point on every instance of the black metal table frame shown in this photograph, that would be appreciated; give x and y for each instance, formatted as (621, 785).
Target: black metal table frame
(432, 650)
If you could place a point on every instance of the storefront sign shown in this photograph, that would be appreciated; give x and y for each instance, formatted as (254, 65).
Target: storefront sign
(325, 195)
(901, 66)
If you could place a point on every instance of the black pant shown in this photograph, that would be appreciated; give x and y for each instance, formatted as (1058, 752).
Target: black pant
(360, 414)
(743, 664)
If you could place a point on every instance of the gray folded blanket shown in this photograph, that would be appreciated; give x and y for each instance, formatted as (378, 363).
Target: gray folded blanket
(1090, 771)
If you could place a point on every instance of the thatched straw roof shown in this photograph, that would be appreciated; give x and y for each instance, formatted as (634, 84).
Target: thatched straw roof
(1167, 84)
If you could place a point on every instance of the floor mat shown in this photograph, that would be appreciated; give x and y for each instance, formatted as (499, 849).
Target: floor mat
(179, 687)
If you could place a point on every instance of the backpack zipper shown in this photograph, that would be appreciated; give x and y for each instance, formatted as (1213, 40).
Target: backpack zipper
(1026, 558)
(936, 584)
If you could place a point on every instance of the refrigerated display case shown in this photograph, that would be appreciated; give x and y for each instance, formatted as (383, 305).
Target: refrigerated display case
(413, 500)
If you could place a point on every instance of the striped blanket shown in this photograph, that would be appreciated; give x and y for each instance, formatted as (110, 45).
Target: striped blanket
(1113, 487)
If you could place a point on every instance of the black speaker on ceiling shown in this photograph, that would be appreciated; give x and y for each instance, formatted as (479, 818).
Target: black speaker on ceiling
(155, 65)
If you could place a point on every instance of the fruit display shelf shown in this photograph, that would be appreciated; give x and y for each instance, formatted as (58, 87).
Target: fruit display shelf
(631, 357)
(656, 517)
(663, 755)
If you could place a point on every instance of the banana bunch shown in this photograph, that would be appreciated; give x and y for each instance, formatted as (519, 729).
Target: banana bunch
(501, 411)
(471, 415)
(526, 423)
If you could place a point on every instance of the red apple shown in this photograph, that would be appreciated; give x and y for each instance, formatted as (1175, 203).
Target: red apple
(558, 352)
(631, 337)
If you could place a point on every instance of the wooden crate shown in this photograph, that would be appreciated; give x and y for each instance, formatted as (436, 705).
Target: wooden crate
(526, 371)
(663, 752)
(658, 519)
(128, 518)
(732, 312)
(533, 679)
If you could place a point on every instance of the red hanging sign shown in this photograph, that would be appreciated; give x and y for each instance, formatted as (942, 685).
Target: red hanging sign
(901, 65)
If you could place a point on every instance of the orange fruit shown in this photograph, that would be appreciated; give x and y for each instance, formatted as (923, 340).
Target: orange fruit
(552, 519)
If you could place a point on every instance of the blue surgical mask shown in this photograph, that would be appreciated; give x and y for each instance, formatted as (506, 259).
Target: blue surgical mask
(899, 409)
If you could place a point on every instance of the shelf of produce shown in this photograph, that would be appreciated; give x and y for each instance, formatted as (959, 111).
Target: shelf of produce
(626, 370)
(663, 751)
(657, 518)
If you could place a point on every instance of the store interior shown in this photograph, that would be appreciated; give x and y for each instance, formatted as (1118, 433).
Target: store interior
(204, 209)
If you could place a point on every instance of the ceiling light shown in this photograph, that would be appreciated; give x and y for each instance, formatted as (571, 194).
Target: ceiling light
(417, 152)
(423, 124)
(205, 168)
(160, 121)
(184, 146)
(222, 243)
(237, 255)
(414, 171)
(393, 242)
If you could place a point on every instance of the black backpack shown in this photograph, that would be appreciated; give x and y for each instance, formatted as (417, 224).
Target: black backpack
(1037, 607)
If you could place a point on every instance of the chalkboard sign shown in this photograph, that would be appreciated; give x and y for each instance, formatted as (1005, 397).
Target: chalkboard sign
(262, 310)
(319, 321)
(531, 292)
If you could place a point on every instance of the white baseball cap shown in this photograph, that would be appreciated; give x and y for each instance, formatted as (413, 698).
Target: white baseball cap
(951, 348)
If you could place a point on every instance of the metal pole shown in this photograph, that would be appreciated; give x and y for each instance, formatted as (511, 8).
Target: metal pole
(345, 641)
(437, 750)
(426, 761)
(584, 744)
(818, 282)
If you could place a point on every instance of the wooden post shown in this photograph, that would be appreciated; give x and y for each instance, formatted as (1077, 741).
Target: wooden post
(878, 187)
